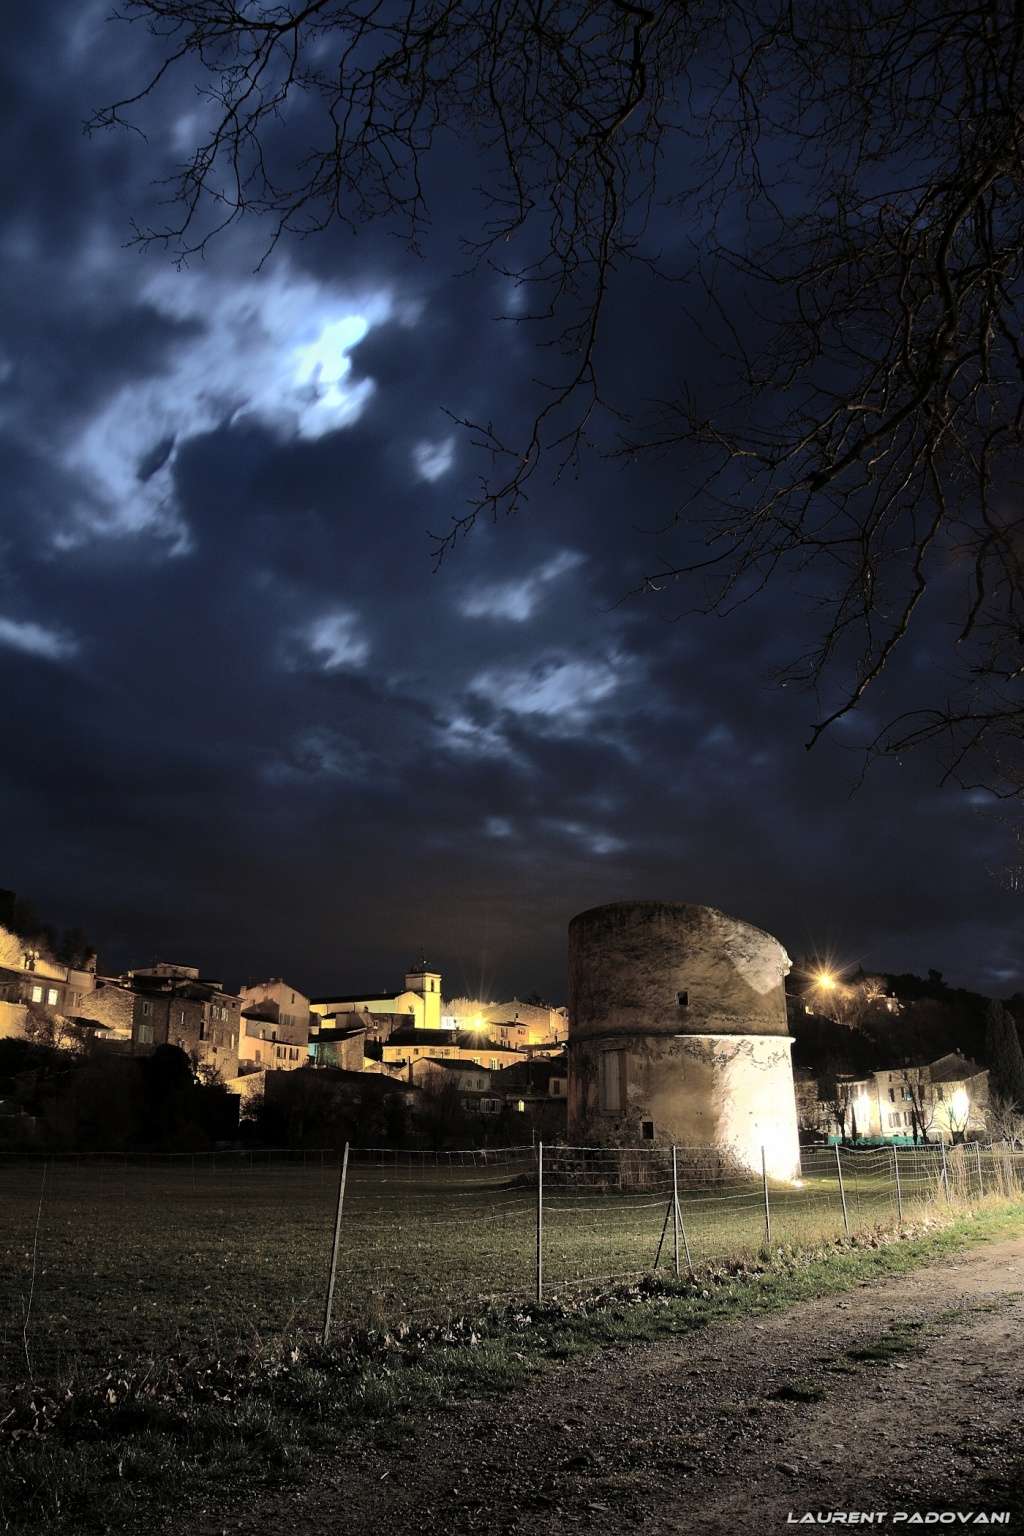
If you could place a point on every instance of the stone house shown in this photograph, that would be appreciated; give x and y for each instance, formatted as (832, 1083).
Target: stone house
(340, 1045)
(260, 1043)
(174, 1005)
(471, 1080)
(281, 1003)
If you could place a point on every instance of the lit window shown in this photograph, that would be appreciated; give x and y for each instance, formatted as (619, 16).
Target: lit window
(37, 994)
(51, 996)
(145, 1034)
(521, 1106)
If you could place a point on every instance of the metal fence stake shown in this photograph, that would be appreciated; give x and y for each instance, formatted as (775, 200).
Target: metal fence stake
(945, 1169)
(767, 1207)
(981, 1178)
(334, 1246)
(540, 1221)
(842, 1190)
(675, 1212)
(899, 1191)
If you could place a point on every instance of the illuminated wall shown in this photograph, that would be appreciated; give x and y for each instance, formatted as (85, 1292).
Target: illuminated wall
(678, 1034)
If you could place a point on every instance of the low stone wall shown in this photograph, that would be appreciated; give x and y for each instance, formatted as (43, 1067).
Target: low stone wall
(12, 1021)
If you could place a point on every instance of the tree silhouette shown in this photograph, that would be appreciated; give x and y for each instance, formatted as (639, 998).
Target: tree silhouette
(848, 179)
(1005, 1058)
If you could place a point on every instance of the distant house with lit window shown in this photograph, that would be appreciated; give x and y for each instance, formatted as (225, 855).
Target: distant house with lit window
(945, 1099)
(33, 984)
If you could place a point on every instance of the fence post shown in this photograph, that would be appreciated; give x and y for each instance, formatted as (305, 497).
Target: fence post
(767, 1207)
(675, 1212)
(899, 1191)
(945, 1170)
(981, 1177)
(540, 1221)
(842, 1191)
(334, 1246)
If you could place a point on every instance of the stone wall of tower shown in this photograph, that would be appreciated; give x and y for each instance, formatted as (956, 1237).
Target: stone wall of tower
(678, 1034)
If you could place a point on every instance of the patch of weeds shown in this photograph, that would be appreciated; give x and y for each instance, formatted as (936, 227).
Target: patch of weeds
(888, 1346)
(799, 1392)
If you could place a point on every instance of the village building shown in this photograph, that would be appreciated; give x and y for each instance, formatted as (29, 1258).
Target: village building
(273, 1027)
(946, 1099)
(111, 1005)
(417, 1004)
(410, 1045)
(469, 1080)
(339, 1045)
(259, 1044)
(511, 1023)
(174, 1005)
(282, 1003)
(34, 984)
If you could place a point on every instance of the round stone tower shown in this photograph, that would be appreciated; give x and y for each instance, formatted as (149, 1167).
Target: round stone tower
(678, 1033)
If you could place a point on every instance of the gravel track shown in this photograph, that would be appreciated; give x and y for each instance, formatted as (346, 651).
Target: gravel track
(727, 1430)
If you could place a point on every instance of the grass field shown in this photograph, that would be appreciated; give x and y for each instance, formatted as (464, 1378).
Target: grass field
(101, 1260)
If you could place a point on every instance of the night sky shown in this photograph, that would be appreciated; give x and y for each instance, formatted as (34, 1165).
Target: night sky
(247, 727)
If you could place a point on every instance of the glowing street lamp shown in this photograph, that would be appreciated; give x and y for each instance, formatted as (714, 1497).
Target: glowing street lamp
(825, 980)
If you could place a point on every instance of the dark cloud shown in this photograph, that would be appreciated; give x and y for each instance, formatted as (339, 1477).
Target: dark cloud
(247, 725)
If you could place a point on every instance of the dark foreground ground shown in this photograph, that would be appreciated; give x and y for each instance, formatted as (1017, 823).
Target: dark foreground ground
(903, 1395)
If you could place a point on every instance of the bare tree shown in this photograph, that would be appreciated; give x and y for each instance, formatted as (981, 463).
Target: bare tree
(921, 1097)
(851, 176)
(1004, 1120)
(953, 1112)
(837, 1098)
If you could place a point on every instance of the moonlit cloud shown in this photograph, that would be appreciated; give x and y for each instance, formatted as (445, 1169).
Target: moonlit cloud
(556, 688)
(36, 640)
(336, 641)
(320, 754)
(467, 737)
(432, 460)
(517, 600)
(272, 350)
(593, 839)
(498, 827)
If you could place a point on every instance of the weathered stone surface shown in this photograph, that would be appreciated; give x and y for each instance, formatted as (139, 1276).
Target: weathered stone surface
(678, 1034)
(629, 962)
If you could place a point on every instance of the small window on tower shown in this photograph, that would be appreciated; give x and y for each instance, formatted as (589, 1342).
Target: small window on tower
(683, 999)
(647, 1129)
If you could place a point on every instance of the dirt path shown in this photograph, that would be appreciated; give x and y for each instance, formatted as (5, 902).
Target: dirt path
(727, 1430)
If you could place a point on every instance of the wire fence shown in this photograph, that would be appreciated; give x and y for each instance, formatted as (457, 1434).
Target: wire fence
(107, 1258)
